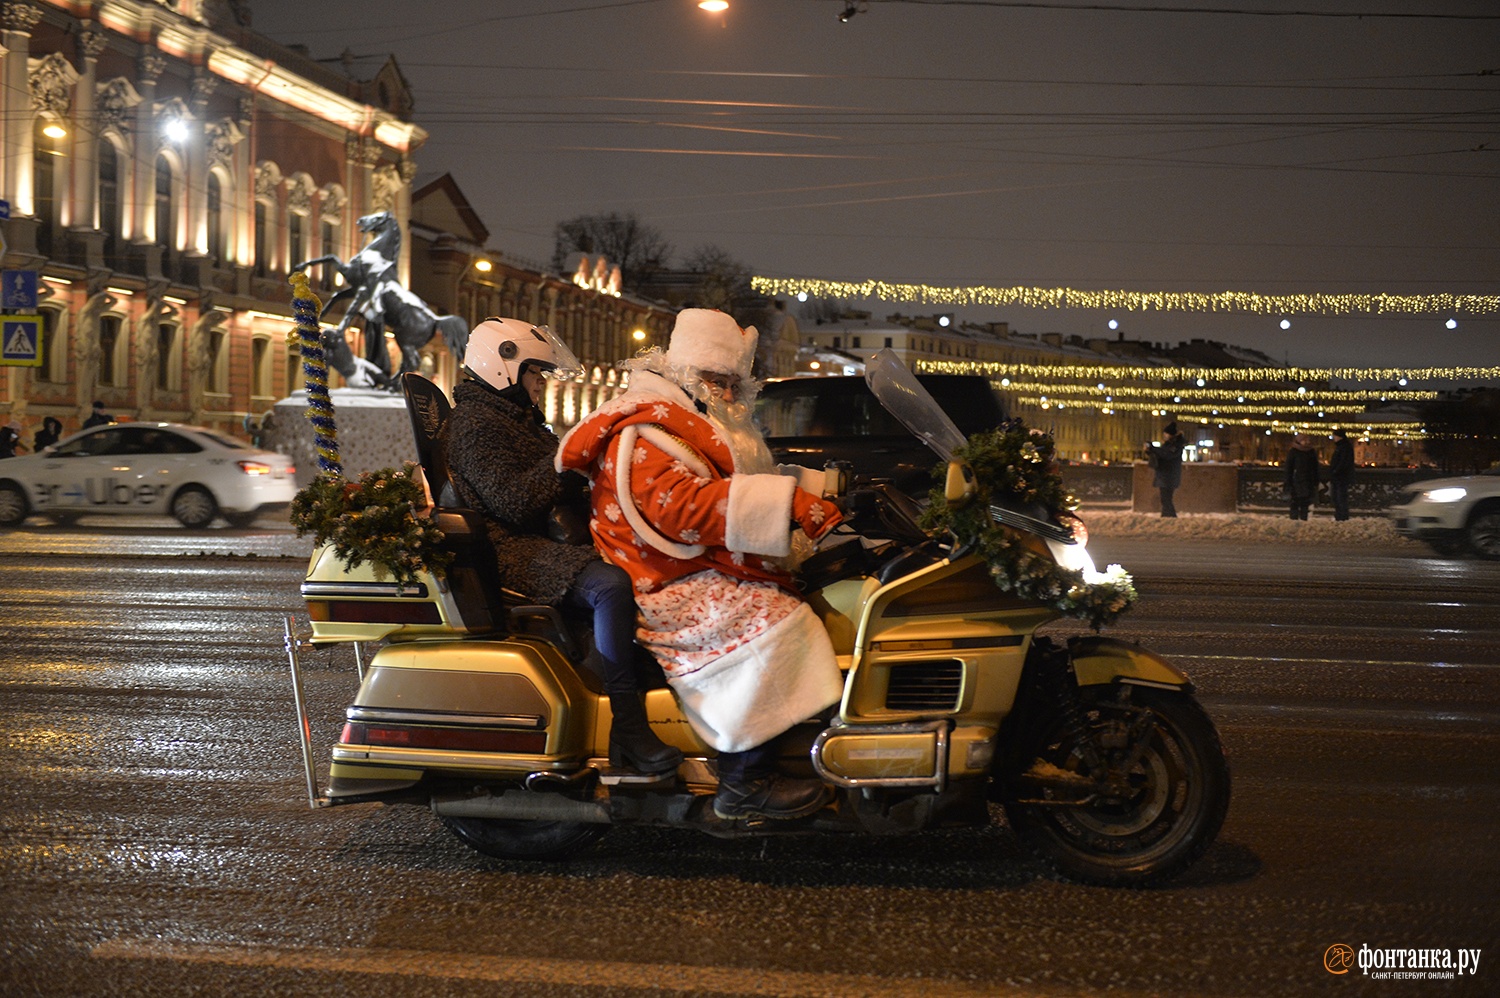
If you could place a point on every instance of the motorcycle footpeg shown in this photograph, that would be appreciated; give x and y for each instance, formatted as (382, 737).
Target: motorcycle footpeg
(614, 776)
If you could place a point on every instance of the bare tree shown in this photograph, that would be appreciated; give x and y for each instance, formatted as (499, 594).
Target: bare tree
(636, 248)
(722, 281)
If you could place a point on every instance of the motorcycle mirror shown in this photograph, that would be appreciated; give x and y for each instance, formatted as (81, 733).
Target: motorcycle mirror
(960, 484)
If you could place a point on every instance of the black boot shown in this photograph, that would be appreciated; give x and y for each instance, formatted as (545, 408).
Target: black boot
(774, 796)
(632, 742)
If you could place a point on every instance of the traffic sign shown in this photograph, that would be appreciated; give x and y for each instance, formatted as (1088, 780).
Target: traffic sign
(21, 341)
(19, 290)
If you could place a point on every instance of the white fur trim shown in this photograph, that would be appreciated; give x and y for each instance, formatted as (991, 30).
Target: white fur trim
(705, 339)
(759, 517)
(759, 690)
(648, 533)
(808, 479)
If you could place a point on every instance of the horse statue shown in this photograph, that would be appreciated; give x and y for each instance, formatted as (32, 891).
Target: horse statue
(382, 300)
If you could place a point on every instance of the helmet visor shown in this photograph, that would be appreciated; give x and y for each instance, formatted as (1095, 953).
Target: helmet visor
(568, 366)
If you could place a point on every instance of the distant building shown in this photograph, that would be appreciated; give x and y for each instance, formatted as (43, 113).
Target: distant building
(165, 167)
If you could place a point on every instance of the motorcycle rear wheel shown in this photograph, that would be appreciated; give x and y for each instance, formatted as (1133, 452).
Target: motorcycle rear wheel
(1178, 796)
(507, 839)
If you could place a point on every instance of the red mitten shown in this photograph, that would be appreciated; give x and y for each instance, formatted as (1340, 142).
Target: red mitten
(815, 516)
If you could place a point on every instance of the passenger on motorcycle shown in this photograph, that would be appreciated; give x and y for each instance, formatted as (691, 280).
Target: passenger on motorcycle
(500, 457)
(688, 501)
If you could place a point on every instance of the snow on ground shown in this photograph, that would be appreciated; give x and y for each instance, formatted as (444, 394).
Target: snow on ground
(1324, 530)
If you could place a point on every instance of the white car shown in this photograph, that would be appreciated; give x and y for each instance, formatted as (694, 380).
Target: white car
(1453, 513)
(188, 472)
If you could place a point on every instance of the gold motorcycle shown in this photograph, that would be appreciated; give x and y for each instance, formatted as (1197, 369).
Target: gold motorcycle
(486, 711)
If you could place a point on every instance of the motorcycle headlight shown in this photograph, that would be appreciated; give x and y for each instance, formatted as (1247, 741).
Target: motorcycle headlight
(1445, 495)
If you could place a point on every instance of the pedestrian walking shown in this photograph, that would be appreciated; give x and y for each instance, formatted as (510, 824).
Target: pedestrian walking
(1302, 473)
(1341, 473)
(1166, 457)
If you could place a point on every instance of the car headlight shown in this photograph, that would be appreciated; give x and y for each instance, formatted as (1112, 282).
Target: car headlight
(1445, 495)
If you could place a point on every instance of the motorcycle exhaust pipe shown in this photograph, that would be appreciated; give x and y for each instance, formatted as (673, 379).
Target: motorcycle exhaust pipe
(522, 805)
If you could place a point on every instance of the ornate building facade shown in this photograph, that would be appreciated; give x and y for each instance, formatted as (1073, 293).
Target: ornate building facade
(166, 167)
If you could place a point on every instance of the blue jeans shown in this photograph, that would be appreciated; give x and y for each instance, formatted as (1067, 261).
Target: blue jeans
(606, 590)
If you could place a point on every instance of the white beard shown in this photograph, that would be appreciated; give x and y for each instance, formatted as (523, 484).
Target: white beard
(732, 420)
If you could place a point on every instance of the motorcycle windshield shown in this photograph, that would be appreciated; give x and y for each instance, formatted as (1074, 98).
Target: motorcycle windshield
(905, 398)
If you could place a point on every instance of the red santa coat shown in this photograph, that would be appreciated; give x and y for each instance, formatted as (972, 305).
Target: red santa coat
(746, 656)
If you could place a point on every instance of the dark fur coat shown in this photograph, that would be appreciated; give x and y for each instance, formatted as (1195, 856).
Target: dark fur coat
(500, 460)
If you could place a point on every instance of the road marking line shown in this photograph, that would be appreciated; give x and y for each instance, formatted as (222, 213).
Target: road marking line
(540, 970)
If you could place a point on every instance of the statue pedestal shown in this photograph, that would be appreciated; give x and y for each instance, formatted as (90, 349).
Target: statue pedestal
(373, 432)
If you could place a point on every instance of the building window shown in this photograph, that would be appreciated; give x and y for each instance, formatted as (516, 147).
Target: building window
(218, 362)
(262, 241)
(888, 341)
(110, 217)
(293, 369)
(168, 365)
(110, 367)
(215, 220)
(44, 187)
(260, 367)
(54, 349)
(295, 245)
(166, 225)
(327, 240)
(854, 342)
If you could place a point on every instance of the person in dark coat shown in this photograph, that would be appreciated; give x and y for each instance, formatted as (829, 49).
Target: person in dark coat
(500, 457)
(48, 435)
(9, 441)
(1166, 458)
(98, 417)
(1302, 472)
(1341, 473)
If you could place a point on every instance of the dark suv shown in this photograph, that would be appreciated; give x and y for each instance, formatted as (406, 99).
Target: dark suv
(808, 421)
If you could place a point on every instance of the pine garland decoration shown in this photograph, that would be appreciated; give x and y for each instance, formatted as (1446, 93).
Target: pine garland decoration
(1015, 465)
(374, 520)
(309, 337)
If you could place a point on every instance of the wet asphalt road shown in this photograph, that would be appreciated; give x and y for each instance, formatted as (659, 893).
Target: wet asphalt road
(155, 838)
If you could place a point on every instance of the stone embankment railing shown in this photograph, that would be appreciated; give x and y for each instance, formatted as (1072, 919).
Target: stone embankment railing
(1225, 488)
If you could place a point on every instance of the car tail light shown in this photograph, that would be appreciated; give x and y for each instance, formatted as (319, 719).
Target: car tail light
(254, 467)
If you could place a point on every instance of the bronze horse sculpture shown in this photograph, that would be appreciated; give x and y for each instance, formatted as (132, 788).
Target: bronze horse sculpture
(382, 301)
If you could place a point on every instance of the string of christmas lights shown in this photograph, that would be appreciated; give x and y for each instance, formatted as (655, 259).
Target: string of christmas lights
(1176, 395)
(1121, 372)
(1155, 407)
(1134, 301)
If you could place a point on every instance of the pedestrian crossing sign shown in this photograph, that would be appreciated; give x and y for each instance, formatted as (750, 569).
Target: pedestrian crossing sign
(21, 341)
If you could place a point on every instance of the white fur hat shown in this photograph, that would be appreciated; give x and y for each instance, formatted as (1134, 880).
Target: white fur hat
(706, 339)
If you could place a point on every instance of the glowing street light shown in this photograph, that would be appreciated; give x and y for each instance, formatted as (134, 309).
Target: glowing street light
(714, 6)
(54, 131)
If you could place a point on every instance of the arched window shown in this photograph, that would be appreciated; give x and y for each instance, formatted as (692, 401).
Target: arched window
(111, 369)
(216, 247)
(54, 367)
(166, 222)
(168, 360)
(296, 241)
(44, 185)
(327, 246)
(262, 240)
(111, 218)
(260, 367)
(218, 362)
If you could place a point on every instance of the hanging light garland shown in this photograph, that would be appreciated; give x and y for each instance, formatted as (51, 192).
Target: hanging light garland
(1121, 372)
(1176, 395)
(1134, 301)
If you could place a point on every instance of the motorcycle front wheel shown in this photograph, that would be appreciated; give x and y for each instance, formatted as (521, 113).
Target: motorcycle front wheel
(1165, 805)
(503, 838)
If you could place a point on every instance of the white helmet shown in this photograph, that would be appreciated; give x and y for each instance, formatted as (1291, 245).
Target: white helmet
(499, 348)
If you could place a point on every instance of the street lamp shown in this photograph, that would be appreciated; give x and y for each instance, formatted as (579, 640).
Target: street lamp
(714, 6)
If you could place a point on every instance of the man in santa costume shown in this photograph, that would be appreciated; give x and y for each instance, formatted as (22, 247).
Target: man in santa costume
(687, 500)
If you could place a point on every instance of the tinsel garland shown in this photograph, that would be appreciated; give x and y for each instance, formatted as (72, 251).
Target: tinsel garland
(1014, 465)
(374, 520)
(309, 337)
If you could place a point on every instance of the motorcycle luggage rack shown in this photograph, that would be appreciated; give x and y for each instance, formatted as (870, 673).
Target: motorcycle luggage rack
(296, 638)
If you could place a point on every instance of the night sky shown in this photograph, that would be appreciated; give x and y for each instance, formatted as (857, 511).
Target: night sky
(988, 143)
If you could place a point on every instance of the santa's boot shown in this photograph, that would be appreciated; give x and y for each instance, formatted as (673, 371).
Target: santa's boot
(632, 742)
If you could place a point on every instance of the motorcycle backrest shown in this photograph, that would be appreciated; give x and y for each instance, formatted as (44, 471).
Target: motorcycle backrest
(429, 410)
